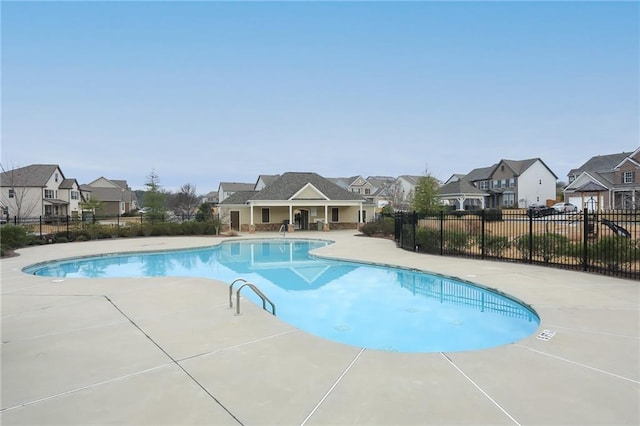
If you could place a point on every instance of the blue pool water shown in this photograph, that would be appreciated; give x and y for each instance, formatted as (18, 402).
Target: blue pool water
(357, 304)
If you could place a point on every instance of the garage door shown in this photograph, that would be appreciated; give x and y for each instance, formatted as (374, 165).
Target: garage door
(589, 201)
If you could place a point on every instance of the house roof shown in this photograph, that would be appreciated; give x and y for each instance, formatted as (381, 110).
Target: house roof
(460, 187)
(68, 184)
(287, 185)
(601, 163)
(381, 181)
(237, 186)
(481, 173)
(239, 197)
(590, 187)
(34, 175)
(268, 179)
(410, 178)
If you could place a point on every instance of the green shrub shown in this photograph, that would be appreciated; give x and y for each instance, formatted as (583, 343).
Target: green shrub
(455, 241)
(614, 251)
(13, 237)
(384, 226)
(493, 215)
(428, 240)
(495, 245)
(547, 246)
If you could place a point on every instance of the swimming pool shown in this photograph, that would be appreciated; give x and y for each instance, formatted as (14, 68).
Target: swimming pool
(364, 305)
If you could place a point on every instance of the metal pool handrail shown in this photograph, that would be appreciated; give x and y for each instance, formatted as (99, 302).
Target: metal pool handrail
(257, 291)
(231, 290)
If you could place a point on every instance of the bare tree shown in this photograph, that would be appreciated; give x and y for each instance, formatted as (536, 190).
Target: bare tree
(397, 196)
(187, 201)
(17, 199)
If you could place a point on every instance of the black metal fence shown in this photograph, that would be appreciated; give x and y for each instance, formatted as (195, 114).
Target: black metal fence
(602, 242)
(106, 225)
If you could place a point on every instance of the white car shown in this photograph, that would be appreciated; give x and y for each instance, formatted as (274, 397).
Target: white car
(565, 208)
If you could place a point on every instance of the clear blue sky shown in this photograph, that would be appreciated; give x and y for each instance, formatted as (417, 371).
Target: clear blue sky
(203, 92)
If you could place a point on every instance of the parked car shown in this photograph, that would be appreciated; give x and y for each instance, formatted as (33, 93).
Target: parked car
(565, 208)
(540, 210)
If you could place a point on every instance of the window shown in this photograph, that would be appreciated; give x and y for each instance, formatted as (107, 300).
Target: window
(484, 184)
(508, 200)
(367, 191)
(48, 193)
(56, 177)
(265, 215)
(503, 183)
(627, 177)
(12, 193)
(495, 184)
(334, 214)
(512, 182)
(75, 195)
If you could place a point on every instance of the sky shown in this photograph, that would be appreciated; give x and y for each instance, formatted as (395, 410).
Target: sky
(208, 92)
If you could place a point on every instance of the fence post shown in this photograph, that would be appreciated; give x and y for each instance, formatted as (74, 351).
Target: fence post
(40, 226)
(531, 238)
(441, 232)
(482, 232)
(68, 233)
(415, 228)
(585, 239)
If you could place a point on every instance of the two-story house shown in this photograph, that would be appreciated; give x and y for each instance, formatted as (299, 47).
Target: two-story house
(116, 196)
(39, 190)
(506, 184)
(606, 182)
(227, 189)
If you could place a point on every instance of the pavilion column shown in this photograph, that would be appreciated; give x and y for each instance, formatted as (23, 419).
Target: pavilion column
(250, 214)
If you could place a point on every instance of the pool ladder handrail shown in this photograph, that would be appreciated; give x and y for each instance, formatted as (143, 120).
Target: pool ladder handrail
(255, 289)
(283, 229)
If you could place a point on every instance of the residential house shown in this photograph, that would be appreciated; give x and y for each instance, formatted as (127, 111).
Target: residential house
(263, 181)
(508, 183)
(39, 190)
(116, 196)
(212, 200)
(401, 191)
(606, 182)
(303, 201)
(226, 189)
(383, 190)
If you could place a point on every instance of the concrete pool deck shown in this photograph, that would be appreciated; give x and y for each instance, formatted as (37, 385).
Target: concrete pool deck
(169, 351)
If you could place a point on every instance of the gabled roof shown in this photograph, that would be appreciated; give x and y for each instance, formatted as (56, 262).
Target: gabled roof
(481, 173)
(381, 182)
(290, 183)
(237, 186)
(410, 178)
(591, 187)
(631, 158)
(112, 194)
(34, 175)
(600, 179)
(239, 197)
(460, 187)
(68, 184)
(601, 163)
(267, 179)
